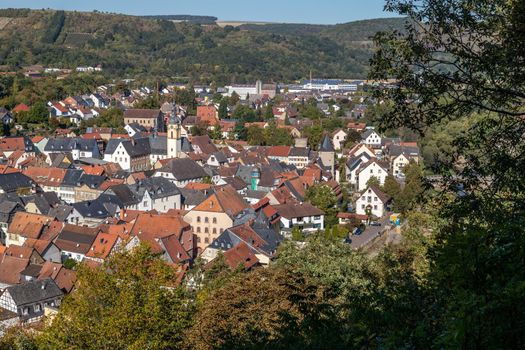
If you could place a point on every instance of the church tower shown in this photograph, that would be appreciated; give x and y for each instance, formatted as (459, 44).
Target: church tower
(327, 154)
(174, 141)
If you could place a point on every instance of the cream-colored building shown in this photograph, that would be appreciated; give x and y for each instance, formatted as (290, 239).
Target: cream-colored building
(214, 215)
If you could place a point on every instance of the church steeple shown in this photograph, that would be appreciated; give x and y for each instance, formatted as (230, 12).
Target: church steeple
(174, 141)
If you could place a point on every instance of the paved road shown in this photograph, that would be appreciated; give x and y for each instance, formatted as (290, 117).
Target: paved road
(371, 232)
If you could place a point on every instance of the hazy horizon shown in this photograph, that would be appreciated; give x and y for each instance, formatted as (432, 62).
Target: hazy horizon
(275, 11)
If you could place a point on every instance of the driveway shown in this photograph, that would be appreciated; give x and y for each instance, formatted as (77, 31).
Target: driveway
(371, 232)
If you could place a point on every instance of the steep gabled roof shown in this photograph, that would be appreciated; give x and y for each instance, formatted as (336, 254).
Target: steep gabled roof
(326, 145)
(34, 291)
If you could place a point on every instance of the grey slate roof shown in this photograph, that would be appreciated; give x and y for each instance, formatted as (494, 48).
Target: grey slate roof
(299, 152)
(184, 169)
(157, 187)
(192, 197)
(67, 144)
(220, 157)
(13, 181)
(72, 177)
(326, 144)
(367, 133)
(135, 148)
(34, 292)
(92, 209)
(395, 150)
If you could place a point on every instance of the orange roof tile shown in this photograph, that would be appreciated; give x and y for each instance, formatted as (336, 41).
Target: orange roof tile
(239, 255)
(102, 245)
(199, 186)
(278, 151)
(12, 144)
(93, 169)
(46, 176)
(22, 107)
(28, 224)
(37, 139)
(158, 226)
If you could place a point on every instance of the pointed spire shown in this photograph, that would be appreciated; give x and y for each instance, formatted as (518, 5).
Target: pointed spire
(326, 145)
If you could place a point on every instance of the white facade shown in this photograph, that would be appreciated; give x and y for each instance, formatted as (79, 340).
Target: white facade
(120, 156)
(373, 140)
(373, 169)
(398, 163)
(370, 199)
(315, 221)
(339, 139)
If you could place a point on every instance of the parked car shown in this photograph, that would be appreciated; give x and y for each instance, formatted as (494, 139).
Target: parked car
(348, 240)
(357, 231)
(375, 223)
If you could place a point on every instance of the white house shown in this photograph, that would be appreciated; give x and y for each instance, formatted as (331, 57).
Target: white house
(370, 169)
(371, 138)
(27, 300)
(182, 171)
(353, 165)
(339, 138)
(372, 201)
(302, 215)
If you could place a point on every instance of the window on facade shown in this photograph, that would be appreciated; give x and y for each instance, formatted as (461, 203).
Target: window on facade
(198, 230)
(37, 307)
(206, 230)
(198, 219)
(206, 240)
(375, 207)
(221, 230)
(214, 231)
(206, 220)
(198, 239)
(362, 206)
(214, 220)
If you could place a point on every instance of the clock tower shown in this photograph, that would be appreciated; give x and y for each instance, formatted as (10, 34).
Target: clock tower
(174, 142)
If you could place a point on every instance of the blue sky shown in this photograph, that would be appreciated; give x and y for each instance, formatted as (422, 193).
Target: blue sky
(296, 11)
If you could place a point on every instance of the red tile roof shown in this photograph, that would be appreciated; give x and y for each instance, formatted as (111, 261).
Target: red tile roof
(239, 255)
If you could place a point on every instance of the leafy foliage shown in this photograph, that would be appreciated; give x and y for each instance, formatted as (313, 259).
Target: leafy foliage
(128, 302)
(457, 65)
(158, 47)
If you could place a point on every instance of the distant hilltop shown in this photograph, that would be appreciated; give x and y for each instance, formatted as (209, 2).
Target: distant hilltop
(185, 18)
(201, 48)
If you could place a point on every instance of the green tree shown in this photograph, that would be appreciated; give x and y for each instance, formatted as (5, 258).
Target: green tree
(244, 112)
(323, 197)
(223, 109)
(234, 99)
(150, 102)
(314, 134)
(352, 139)
(255, 136)
(216, 132)
(274, 136)
(38, 113)
(268, 112)
(373, 181)
(458, 61)
(130, 302)
(297, 234)
(413, 191)
(392, 187)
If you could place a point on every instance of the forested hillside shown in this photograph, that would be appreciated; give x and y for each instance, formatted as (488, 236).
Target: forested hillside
(128, 45)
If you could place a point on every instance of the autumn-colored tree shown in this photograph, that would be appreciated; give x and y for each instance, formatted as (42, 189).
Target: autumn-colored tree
(277, 308)
(129, 302)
